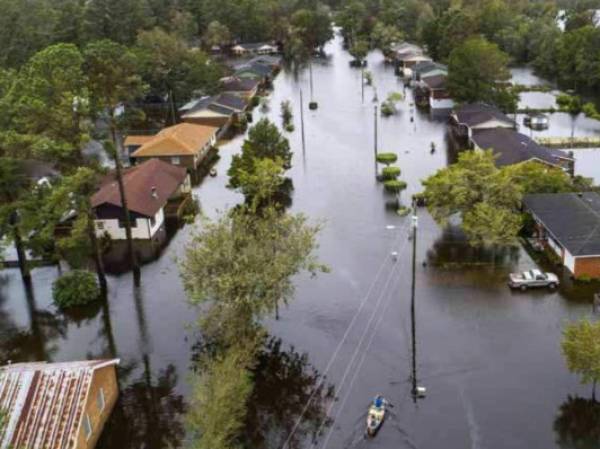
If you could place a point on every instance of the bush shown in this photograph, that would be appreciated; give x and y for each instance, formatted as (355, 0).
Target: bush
(390, 172)
(289, 127)
(584, 278)
(75, 288)
(387, 158)
(394, 186)
(387, 109)
(255, 101)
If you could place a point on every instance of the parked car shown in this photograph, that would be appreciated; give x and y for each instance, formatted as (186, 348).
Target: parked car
(532, 279)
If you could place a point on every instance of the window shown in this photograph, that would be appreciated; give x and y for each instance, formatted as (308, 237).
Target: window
(175, 160)
(100, 225)
(100, 402)
(132, 221)
(87, 426)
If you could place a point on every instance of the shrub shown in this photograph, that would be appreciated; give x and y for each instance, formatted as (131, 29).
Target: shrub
(387, 158)
(255, 101)
(75, 288)
(390, 172)
(394, 186)
(403, 211)
(584, 278)
(387, 109)
(289, 127)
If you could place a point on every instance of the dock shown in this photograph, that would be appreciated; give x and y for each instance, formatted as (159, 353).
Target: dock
(568, 142)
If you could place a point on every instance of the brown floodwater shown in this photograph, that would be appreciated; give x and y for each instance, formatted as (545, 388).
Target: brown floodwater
(489, 357)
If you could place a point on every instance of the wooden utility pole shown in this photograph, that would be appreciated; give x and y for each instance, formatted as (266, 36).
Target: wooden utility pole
(412, 305)
(302, 122)
(375, 136)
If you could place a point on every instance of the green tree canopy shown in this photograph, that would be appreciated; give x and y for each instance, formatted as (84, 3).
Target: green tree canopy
(264, 141)
(581, 348)
(478, 71)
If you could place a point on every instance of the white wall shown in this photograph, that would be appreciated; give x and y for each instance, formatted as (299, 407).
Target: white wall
(569, 261)
(143, 229)
(556, 248)
(443, 103)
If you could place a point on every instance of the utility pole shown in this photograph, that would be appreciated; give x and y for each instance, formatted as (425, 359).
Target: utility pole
(302, 122)
(415, 221)
(375, 138)
(362, 82)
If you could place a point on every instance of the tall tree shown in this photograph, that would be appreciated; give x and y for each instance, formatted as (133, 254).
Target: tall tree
(581, 348)
(478, 71)
(113, 80)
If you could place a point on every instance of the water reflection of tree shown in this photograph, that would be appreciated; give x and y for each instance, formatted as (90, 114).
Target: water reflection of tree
(578, 424)
(29, 344)
(147, 415)
(284, 382)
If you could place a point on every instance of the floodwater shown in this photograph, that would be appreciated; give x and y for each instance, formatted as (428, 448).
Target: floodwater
(489, 358)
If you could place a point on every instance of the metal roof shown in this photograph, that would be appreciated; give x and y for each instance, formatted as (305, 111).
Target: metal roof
(573, 219)
(45, 402)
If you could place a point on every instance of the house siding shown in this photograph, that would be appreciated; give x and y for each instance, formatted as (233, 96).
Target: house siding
(587, 266)
(105, 378)
(142, 231)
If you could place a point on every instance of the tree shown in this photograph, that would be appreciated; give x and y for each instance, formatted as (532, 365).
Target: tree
(216, 35)
(384, 36)
(49, 107)
(14, 185)
(113, 80)
(534, 177)
(478, 71)
(73, 194)
(581, 348)
(359, 50)
(118, 20)
(264, 141)
(261, 184)
(170, 68)
(474, 188)
(313, 26)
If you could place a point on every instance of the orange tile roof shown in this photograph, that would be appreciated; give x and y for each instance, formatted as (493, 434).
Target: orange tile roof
(137, 140)
(184, 139)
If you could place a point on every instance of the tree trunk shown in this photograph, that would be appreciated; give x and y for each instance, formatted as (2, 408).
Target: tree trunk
(594, 391)
(118, 169)
(21, 254)
(96, 254)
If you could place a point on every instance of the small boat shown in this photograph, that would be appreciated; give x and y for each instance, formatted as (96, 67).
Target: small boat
(375, 418)
(212, 172)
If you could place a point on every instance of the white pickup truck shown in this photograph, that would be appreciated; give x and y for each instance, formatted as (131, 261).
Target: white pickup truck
(532, 279)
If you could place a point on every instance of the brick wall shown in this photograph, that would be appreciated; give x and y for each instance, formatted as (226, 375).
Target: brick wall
(105, 378)
(588, 266)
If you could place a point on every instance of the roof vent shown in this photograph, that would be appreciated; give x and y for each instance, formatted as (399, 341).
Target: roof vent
(154, 194)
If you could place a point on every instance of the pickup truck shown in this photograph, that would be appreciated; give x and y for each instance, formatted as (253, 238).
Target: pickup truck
(533, 278)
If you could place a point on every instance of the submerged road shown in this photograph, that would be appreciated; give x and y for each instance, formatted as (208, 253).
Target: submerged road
(490, 358)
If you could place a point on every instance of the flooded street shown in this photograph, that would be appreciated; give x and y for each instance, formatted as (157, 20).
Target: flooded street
(489, 358)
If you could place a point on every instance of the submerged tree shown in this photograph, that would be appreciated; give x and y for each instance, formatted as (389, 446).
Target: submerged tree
(578, 424)
(581, 348)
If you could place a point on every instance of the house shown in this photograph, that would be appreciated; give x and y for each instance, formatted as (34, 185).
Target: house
(469, 117)
(569, 224)
(134, 142)
(56, 405)
(512, 147)
(260, 48)
(245, 87)
(431, 91)
(272, 61)
(219, 111)
(149, 187)
(256, 71)
(428, 68)
(184, 144)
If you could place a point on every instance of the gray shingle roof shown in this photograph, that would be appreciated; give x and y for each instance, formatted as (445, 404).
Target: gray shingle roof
(573, 219)
(512, 147)
(476, 113)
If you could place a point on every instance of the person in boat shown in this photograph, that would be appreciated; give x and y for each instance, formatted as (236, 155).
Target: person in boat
(379, 401)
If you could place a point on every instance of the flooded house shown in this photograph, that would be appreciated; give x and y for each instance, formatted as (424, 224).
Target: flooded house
(152, 189)
(569, 225)
(185, 145)
(467, 118)
(431, 92)
(244, 87)
(56, 405)
(258, 48)
(219, 111)
(256, 71)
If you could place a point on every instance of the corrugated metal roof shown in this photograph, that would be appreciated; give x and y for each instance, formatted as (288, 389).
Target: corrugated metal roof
(44, 402)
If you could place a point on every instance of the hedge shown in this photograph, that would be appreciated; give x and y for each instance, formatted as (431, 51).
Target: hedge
(390, 172)
(387, 158)
(394, 186)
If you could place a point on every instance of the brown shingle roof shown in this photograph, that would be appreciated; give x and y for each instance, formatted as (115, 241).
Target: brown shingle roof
(184, 139)
(137, 140)
(138, 182)
(45, 402)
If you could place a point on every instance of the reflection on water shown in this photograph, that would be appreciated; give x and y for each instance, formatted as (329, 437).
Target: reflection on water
(577, 425)
(148, 412)
(285, 382)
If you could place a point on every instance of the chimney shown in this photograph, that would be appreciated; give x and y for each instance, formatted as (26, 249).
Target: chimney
(154, 194)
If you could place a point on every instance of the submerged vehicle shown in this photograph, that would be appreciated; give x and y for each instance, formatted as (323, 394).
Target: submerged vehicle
(376, 415)
(213, 172)
(533, 278)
